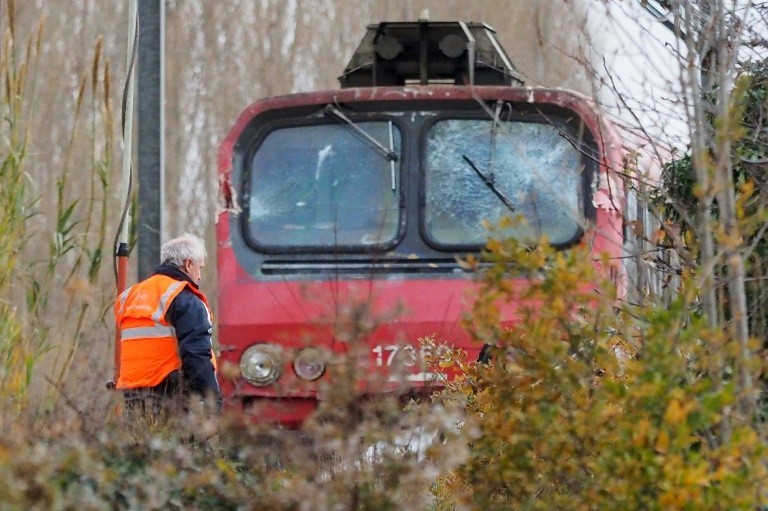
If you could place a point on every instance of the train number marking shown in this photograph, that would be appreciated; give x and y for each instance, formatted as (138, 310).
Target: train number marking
(385, 354)
(390, 349)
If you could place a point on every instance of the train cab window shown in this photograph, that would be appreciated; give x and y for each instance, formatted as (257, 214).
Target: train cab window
(324, 186)
(480, 170)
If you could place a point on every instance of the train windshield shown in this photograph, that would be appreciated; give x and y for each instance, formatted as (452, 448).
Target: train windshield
(480, 170)
(325, 186)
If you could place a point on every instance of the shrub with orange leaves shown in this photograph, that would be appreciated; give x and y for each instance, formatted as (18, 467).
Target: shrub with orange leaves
(593, 405)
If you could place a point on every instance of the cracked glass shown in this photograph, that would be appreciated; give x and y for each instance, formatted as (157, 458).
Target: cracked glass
(478, 170)
(325, 186)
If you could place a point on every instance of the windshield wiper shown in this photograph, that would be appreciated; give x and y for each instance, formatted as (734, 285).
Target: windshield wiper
(490, 185)
(389, 154)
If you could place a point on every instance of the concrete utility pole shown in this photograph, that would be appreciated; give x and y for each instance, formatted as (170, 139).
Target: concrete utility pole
(151, 127)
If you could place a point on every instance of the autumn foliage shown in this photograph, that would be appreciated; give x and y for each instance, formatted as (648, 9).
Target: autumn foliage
(592, 404)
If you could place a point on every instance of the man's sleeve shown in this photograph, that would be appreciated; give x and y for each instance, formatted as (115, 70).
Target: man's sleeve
(189, 317)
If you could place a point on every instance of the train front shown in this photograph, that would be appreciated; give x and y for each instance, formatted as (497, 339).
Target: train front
(348, 212)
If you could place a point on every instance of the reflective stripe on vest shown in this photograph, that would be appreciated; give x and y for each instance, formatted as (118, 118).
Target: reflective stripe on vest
(172, 291)
(147, 332)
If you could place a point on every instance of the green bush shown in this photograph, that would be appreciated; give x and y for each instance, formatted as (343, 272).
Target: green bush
(591, 406)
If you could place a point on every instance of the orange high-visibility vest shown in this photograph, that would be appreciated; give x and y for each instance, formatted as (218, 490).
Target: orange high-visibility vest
(148, 346)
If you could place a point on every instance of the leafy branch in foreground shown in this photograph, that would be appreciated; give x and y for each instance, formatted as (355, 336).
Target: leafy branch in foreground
(587, 406)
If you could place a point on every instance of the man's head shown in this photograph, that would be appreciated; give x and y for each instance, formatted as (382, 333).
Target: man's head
(187, 252)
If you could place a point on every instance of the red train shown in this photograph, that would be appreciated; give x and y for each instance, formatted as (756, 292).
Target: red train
(345, 205)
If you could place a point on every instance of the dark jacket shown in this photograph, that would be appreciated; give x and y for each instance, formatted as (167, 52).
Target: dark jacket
(189, 317)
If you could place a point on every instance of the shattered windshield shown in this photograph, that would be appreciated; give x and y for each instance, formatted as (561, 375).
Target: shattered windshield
(479, 170)
(325, 186)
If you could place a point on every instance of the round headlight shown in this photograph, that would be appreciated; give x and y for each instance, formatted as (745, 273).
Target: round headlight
(261, 364)
(309, 364)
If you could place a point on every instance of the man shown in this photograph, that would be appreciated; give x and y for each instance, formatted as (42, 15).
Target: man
(165, 327)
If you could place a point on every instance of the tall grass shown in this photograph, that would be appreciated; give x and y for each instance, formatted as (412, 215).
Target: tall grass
(51, 249)
(85, 236)
(19, 349)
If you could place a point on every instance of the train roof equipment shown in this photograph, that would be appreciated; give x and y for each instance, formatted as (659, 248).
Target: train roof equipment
(429, 52)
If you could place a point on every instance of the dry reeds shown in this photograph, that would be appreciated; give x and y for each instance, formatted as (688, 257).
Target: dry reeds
(51, 252)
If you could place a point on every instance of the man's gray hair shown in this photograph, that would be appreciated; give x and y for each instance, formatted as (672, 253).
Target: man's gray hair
(178, 250)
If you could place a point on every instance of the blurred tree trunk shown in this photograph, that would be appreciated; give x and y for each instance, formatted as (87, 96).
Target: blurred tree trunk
(712, 46)
(701, 137)
(732, 240)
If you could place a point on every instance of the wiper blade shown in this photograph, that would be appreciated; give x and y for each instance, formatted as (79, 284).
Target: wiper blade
(490, 184)
(389, 154)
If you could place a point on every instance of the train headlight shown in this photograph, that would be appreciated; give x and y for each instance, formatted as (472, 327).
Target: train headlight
(309, 364)
(261, 364)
